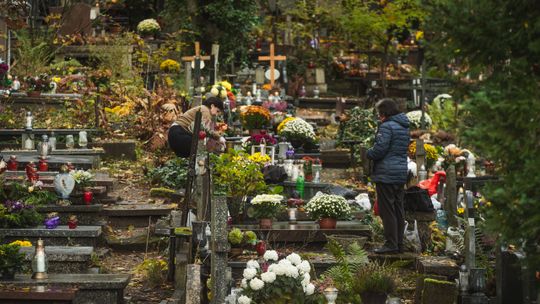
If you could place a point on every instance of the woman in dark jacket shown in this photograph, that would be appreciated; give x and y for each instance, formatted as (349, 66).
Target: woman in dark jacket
(390, 172)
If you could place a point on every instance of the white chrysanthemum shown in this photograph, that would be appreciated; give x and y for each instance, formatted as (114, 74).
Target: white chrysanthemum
(292, 271)
(277, 269)
(267, 198)
(271, 255)
(249, 273)
(256, 284)
(268, 277)
(285, 262)
(294, 258)
(304, 267)
(244, 283)
(253, 264)
(244, 300)
(309, 290)
(306, 280)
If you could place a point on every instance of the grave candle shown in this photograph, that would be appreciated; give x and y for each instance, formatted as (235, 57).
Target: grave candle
(29, 120)
(39, 262)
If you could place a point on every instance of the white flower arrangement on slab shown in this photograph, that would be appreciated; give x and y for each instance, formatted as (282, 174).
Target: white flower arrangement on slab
(291, 274)
(148, 26)
(415, 118)
(82, 178)
(328, 205)
(298, 129)
(267, 205)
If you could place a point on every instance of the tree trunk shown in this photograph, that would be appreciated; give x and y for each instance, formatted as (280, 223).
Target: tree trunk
(384, 64)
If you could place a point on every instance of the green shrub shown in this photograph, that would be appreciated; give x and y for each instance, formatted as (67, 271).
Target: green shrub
(173, 174)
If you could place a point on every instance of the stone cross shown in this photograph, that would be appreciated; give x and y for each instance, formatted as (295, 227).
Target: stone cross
(220, 249)
(272, 58)
(450, 205)
(197, 61)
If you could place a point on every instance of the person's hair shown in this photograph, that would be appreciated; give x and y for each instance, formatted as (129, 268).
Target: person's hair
(387, 107)
(214, 101)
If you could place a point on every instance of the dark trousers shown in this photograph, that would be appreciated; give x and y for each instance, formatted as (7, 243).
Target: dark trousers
(180, 141)
(390, 201)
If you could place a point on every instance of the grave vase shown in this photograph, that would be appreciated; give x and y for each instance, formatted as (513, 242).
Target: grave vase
(265, 223)
(370, 297)
(327, 223)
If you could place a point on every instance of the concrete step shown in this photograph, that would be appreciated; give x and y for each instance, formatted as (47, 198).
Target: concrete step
(124, 214)
(86, 214)
(64, 259)
(92, 288)
(60, 236)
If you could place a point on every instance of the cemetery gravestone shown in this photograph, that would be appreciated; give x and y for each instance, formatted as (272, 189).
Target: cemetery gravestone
(77, 20)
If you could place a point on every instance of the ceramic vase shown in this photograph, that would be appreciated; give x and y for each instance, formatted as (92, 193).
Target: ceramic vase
(64, 184)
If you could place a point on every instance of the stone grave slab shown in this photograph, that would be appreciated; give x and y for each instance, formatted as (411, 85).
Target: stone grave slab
(93, 151)
(36, 295)
(86, 214)
(60, 236)
(64, 259)
(76, 20)
(336, 158)
(47, 177)
(56, 161)
(118, 150)
(306, 232)
(137, 215)
(92, 288)
(443, 266)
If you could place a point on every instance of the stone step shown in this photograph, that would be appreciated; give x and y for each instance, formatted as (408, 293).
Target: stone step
(56, 161)
(78, 151)
(47, 177)
(60, 236)
(124, 214)
(64, 259)
(92, 288)
(86, 214)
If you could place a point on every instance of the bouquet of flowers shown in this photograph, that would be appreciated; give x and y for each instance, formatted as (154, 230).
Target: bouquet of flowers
(148, 26)
(256, 139)
(328, 205)
(285, 281)
(82, 178)
(283, 123)
(415, 119)
(170, 66)
(267, 205)
(298, 130)
(4, 81)
(40, 83)
(432, 153)
(255, 117)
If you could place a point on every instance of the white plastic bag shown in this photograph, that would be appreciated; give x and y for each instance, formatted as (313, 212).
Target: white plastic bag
(411, 238)
(362, 200)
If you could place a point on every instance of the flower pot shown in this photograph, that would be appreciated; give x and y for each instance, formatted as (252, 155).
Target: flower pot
(327, 223)
(235, 251)
(8, 274)
(265, 223)
(297, 144)
(369, 297)
(33, 93)
(253, 132)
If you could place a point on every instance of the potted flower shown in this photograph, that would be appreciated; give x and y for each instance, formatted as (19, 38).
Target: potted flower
(16, 214)
(11, 259)
(238, 240)
(237, 176)
(148, 27)
(374, 282)
(277, 281)
(83, 179)
(37, 84)
(255, 118)
(169, 66)
(266, 207)
(327, 209)
(298, 132)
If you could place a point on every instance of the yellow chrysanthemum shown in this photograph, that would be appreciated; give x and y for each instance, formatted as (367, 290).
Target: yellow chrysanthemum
(284, 122)
(21, 243)
(170, 66)
(226, 85)
(259, 159)
(460, 211)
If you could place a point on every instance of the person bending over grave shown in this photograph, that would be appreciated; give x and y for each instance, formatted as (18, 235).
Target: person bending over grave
(389, 155)
(181, 131)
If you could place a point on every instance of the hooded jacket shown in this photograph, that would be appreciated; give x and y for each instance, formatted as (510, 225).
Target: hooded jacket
(390, 151)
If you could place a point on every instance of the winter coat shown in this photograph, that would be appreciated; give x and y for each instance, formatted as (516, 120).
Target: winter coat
(390, 151)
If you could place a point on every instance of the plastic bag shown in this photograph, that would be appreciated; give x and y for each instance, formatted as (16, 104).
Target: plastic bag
(362, 200)
(411, 238)
(431, 184)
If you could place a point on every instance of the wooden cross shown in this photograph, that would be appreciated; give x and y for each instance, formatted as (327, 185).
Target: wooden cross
(197, 59)
(272, 58)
